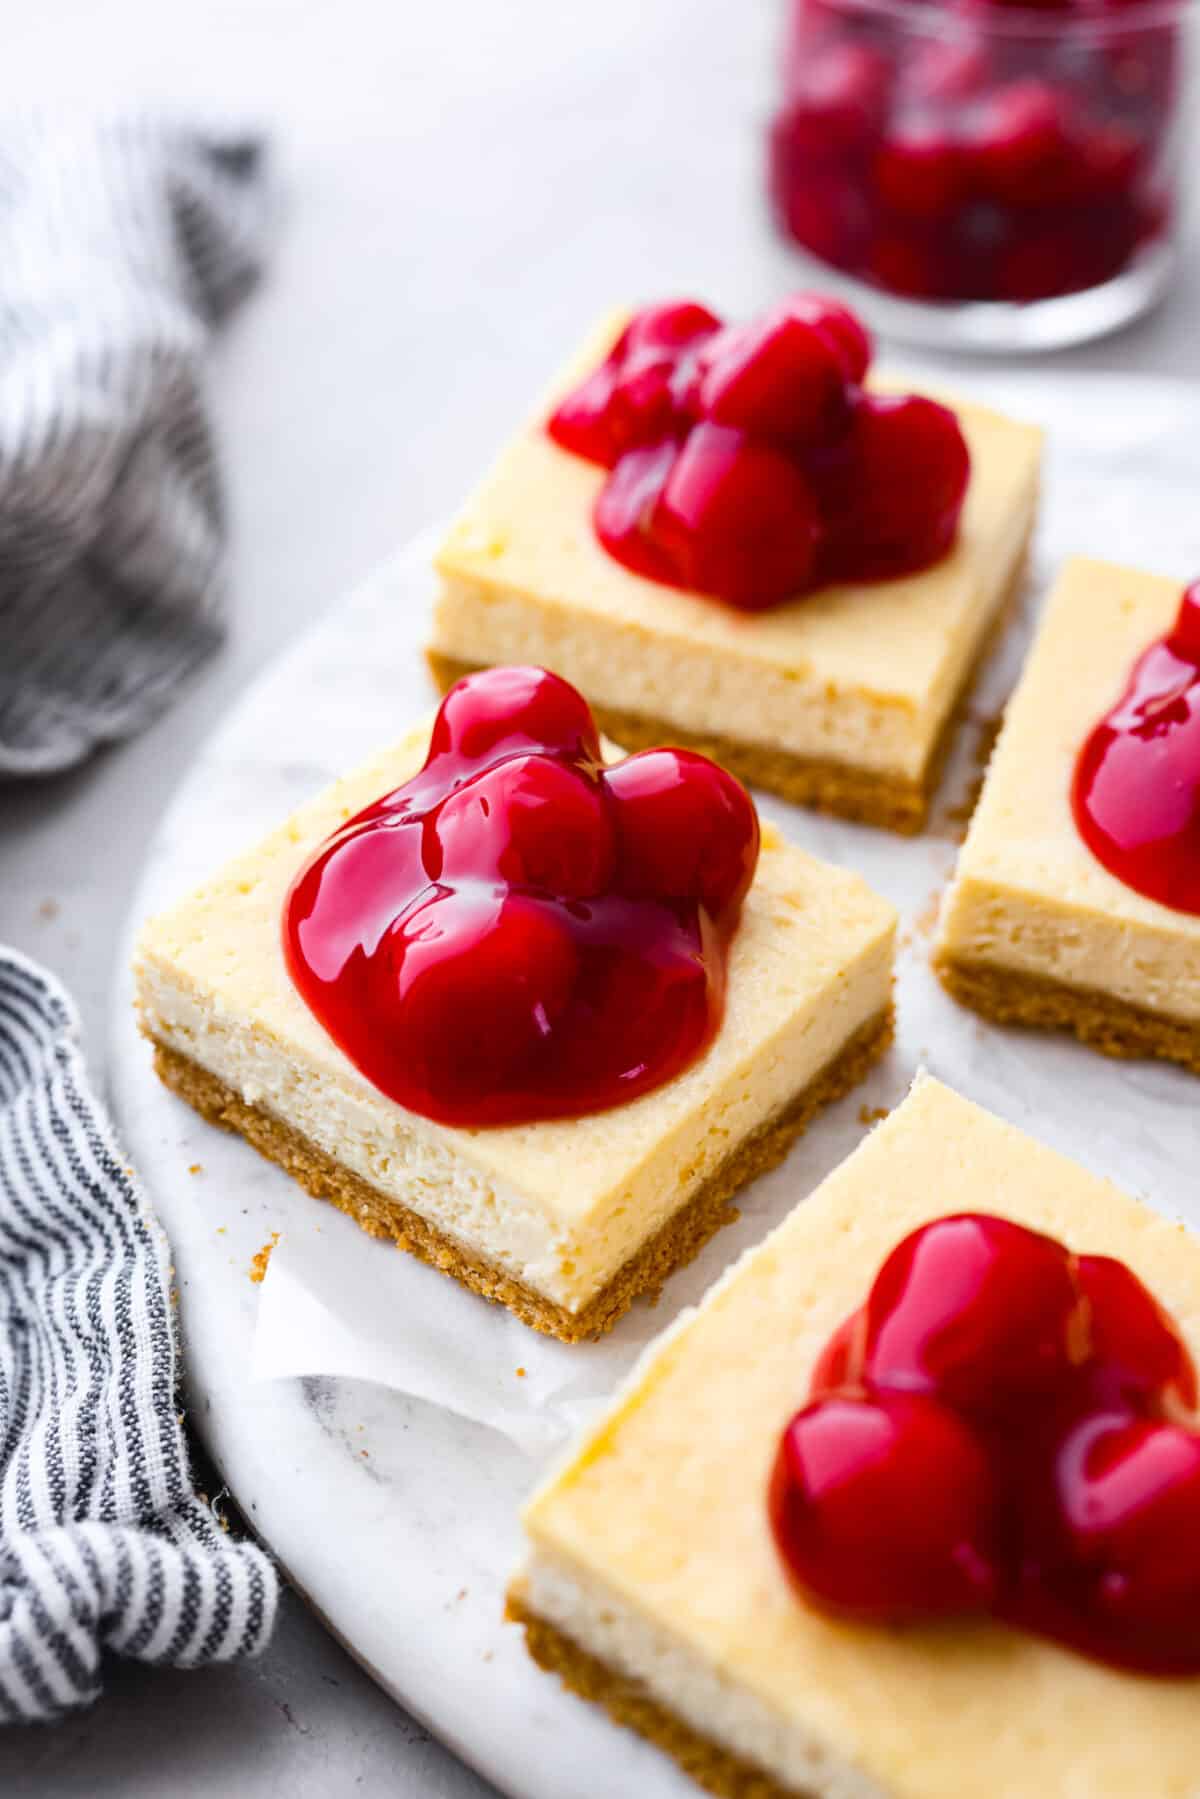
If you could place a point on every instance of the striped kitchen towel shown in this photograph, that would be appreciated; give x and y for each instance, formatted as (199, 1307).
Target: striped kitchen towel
(124, 243)
(103, 1543)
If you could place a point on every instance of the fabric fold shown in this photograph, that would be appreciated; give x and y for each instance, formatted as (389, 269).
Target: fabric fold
(103, 1543)
(125, 242)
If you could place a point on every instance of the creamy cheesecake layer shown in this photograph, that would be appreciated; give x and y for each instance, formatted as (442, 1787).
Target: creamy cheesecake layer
(1028, 895)
(859, 674)
(560, 1205)
(651, 1549)
(693, 1689)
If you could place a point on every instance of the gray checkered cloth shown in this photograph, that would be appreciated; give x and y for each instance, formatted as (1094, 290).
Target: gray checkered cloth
(103, 1543)
(124, 244)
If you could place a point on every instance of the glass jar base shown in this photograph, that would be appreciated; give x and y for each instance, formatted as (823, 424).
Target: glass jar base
(1000, 327)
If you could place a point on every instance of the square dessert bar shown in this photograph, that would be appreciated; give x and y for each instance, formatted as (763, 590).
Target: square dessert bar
(654, 1585)
(1033, 929)
(842, 699)
(567, 1221)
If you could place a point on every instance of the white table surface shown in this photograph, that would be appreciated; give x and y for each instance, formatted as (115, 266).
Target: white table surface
(462, 185)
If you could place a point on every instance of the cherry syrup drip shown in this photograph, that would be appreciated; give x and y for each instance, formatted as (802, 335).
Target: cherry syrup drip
(1002, 1428)
(520, 932)
(747, 462)
(1136, 792)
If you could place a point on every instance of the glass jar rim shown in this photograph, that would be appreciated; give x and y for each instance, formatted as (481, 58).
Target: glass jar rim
(932, 19)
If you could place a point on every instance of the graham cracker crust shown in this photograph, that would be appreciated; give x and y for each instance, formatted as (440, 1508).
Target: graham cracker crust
(679, 1239)
(825, 785)
(715, 1769)
(1113, 1026)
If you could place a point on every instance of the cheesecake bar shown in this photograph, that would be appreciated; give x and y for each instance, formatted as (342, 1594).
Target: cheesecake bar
(654, 1583)
(567, 1219)
(842, 699)
(1034, 930)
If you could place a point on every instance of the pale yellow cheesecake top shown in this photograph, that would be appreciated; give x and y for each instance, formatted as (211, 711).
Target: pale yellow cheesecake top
(527, 531)
(1023, 849)
(559, 1201)
(663, 1507)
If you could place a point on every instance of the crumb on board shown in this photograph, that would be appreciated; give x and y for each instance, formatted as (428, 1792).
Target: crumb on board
(925, 923)
(872, 1114)
(220, 1230)
(520, 1374)
(196, 1168)
(258, 1266)
(49, 908)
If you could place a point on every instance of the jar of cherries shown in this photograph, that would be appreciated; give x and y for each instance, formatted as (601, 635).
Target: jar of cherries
(990, 174)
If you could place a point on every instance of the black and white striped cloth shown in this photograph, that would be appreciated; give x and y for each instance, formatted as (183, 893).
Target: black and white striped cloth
(103, 1543)
(124, 243)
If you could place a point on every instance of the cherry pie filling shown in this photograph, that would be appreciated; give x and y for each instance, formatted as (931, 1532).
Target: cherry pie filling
(1136, 788)
(747, 462)
(979, 150)
(521, 932)
(1002, 1428)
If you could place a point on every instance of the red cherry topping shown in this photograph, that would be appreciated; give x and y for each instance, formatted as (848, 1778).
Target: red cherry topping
(746, 463)
(892, 495)
(858, 1520)
(685, 829)
(1132, 1339)
(1002, 1428)
(840, 1362)
(1117, 1574)
(528, 821)
(974, 1309)
(1136, 788)
(780, 377)
(736, 518)
(518, 932)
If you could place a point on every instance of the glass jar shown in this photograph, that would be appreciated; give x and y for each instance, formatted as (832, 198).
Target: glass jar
(990, 176)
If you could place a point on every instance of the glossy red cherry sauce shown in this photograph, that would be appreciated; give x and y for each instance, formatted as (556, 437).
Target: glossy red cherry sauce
(977, 150)
(1002, 1428)
(519, 932)
(1136, 791)
(747, 462)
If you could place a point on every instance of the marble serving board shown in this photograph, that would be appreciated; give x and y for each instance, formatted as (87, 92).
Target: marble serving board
(396, 1519)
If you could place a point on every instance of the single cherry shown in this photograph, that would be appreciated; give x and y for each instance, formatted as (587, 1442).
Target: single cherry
(891, 500)
(840, 327)
(518, 933)
(1128, 1581)
(502, 710)
(736, 518)
(637, 395)
(530, 821)
(480, 982)
(1023, 151)
(1131, 1338)
(920, 170)
(974, 1309)
(685, 829)
(781, 377)
(840, 98)
(861, 1524)
(1136, 788)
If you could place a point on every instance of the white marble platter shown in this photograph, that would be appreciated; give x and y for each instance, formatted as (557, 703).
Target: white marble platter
(398, 1519)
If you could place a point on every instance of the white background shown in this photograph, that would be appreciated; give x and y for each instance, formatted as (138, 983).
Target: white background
(462, 185)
